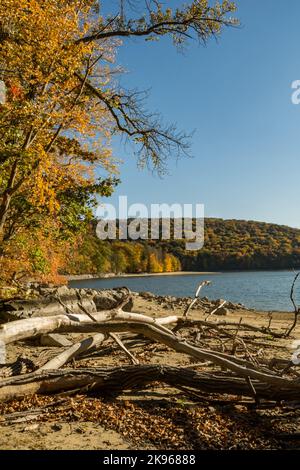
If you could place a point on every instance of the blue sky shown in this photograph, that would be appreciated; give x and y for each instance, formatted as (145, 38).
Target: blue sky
(236, 95)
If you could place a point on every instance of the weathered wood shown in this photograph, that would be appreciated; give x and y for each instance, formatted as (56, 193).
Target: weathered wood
(158, 333)
(252, 378)
(55, 340)
(78, 348)
(2, 352)
(189, 307)
(231, 325)
(115, 380)
(62, 300)
(296, 308)
(32, 327)
(214, 311)
(123, 348)
(22, 365)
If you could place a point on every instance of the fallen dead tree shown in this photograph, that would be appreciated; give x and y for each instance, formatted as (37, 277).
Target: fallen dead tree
(242, 377)
(83, 346)
(32, 327)
(145, 325)
(240, 367)
(115, 380)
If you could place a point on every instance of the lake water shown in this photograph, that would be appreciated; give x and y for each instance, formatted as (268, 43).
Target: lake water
(262, 290)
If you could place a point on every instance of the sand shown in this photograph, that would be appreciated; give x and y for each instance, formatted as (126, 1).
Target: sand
(158, 417)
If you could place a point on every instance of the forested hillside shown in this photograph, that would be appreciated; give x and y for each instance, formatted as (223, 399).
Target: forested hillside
(237, 244)
(229, 244)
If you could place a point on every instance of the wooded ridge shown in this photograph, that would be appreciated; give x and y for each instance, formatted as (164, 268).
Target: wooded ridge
(228, 244)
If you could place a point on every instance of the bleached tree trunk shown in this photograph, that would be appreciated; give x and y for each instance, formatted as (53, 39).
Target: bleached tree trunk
(31, 327)
(123, 321)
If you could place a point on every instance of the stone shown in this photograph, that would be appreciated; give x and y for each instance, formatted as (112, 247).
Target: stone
(222, 311)
(31, 427)
(56, 427)
(79, 430)
(62, 300)
(147, 295)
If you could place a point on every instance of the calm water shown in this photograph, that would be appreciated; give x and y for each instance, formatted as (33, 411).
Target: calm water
(263, 290)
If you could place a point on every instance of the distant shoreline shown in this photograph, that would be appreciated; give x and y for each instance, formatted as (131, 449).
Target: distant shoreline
(82, 277)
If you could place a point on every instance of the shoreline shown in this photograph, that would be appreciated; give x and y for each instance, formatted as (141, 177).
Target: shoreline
(111, 423)
(82, 277)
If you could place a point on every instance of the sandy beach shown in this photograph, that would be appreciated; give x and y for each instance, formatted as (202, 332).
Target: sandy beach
(158, 417)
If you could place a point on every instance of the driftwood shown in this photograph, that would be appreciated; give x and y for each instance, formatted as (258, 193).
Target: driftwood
(221, 325)
(158, 333)
(264, 330)
(239, 376)
(214, 311)
(197, 293)
(62, 300)
(32, 327)
(123, 348)
(85, 345)
(117, 379)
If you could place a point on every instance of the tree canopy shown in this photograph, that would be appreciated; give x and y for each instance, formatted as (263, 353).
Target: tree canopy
(63, 104)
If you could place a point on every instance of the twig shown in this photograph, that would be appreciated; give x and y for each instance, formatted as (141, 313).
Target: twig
(123, 347)
(235, 336)
(216, 309)
(270, 320)
(252, 388)
(202, 284)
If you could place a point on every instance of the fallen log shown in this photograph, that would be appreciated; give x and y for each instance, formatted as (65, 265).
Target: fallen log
(115, 380)
(32, 327)
(157, 333)
(115, 321)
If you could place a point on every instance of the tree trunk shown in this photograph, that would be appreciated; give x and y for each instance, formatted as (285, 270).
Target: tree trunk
(115, 380)
(6, 198)
(118, 321)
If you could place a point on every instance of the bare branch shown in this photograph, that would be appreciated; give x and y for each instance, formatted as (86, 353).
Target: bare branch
(296, 308)
(193, 20)
(202, 284)
(155, 142)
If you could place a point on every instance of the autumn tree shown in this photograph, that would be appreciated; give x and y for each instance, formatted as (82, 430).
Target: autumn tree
(63, 104)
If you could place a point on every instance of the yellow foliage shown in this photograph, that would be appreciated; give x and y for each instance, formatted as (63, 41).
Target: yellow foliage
(47, 99)
(154, 265)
